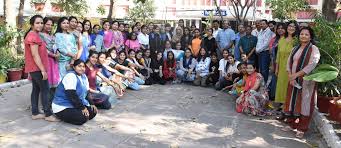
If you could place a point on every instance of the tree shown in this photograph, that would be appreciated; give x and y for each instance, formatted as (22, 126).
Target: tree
(241, 8)
(218, 9)
(73, 7)
(328, 9)
(142, 11)
(10, 17)
(111, 7)
(284, 9)
(20, 23)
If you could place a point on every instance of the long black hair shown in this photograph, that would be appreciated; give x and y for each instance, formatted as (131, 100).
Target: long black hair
(32, 20)
(297, 28)
(91, 53)
(170, 61)
(111, 50)
(46, 19)
(131, 34)
(59, 24)
(90, 29)
(72, 17)
(203, 57)
(284, 26)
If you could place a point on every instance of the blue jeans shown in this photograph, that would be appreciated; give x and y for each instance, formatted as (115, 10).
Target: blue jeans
(40, 88)
(236, 53)
(182, 75)
(264, 63)
(136, 84)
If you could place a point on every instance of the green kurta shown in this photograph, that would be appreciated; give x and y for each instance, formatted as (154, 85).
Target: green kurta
(283, 53)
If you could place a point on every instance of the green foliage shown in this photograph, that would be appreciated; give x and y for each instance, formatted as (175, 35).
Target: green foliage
(100, 10)
(38, 1)
(73, 7)
(142, 11)
(284, 9)
(328, 40)
(323, 73)
(7, 35)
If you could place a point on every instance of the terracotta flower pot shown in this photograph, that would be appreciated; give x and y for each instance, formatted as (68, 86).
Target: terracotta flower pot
(14, 74)
(56, 7)
(39, 6)
(335, 111)
(323, 103)
(24, 74)
(3, 78)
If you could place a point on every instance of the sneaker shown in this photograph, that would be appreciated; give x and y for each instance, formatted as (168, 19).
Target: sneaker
(52, 119)
(38, 116)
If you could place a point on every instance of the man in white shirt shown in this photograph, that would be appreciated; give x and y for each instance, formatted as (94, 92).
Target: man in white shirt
(216, 28)
(262, 49)
(143, 38)
(258, 28)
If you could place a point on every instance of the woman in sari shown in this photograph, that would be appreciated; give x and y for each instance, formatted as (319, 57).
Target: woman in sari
(254, 96)
(299, 104)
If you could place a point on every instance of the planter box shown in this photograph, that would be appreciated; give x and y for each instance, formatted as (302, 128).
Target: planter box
(14, 74)
(334, 111)
(56, 7)
(323, 103)
(39, 6)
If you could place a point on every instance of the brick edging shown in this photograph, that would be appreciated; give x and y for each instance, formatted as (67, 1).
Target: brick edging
(14, 84)
(326, 129)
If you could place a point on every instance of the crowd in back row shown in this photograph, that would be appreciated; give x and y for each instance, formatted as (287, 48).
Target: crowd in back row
(81, 66)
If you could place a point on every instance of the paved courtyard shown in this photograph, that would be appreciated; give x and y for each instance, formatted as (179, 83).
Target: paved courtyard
(157, 116)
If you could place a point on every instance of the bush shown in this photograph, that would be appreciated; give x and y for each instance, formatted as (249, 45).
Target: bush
(328, 40)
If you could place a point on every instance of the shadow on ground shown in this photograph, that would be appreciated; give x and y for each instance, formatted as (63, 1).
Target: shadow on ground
(157, 116)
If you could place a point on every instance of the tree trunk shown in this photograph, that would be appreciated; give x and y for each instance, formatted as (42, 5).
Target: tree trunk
(219, 10)
(20, 25)
(328, 10)
(111, 6)
(4, 7)
(10, 17)
(10, 20)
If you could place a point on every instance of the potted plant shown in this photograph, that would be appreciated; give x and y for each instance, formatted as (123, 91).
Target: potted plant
(56, 6)
(39, 5)
(3, 72)
(15, 69)
(327, 73)
(7, 34)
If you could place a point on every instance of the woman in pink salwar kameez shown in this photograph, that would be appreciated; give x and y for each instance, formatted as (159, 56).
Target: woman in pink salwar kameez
(53, 54)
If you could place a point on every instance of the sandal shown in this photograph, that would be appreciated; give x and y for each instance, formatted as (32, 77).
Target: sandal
(299, 134)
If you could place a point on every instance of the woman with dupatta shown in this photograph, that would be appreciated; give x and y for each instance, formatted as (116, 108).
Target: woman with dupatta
(301, 94)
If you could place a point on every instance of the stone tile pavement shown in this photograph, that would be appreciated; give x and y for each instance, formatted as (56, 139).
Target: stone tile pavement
(155, 117)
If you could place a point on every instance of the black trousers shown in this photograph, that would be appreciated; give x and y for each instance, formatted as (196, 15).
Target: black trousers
(75, 116)
(40, 87)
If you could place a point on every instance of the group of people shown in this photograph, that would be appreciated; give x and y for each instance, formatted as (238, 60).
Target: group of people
(81, 67)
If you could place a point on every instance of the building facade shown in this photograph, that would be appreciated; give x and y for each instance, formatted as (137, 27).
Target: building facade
(189, 10)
